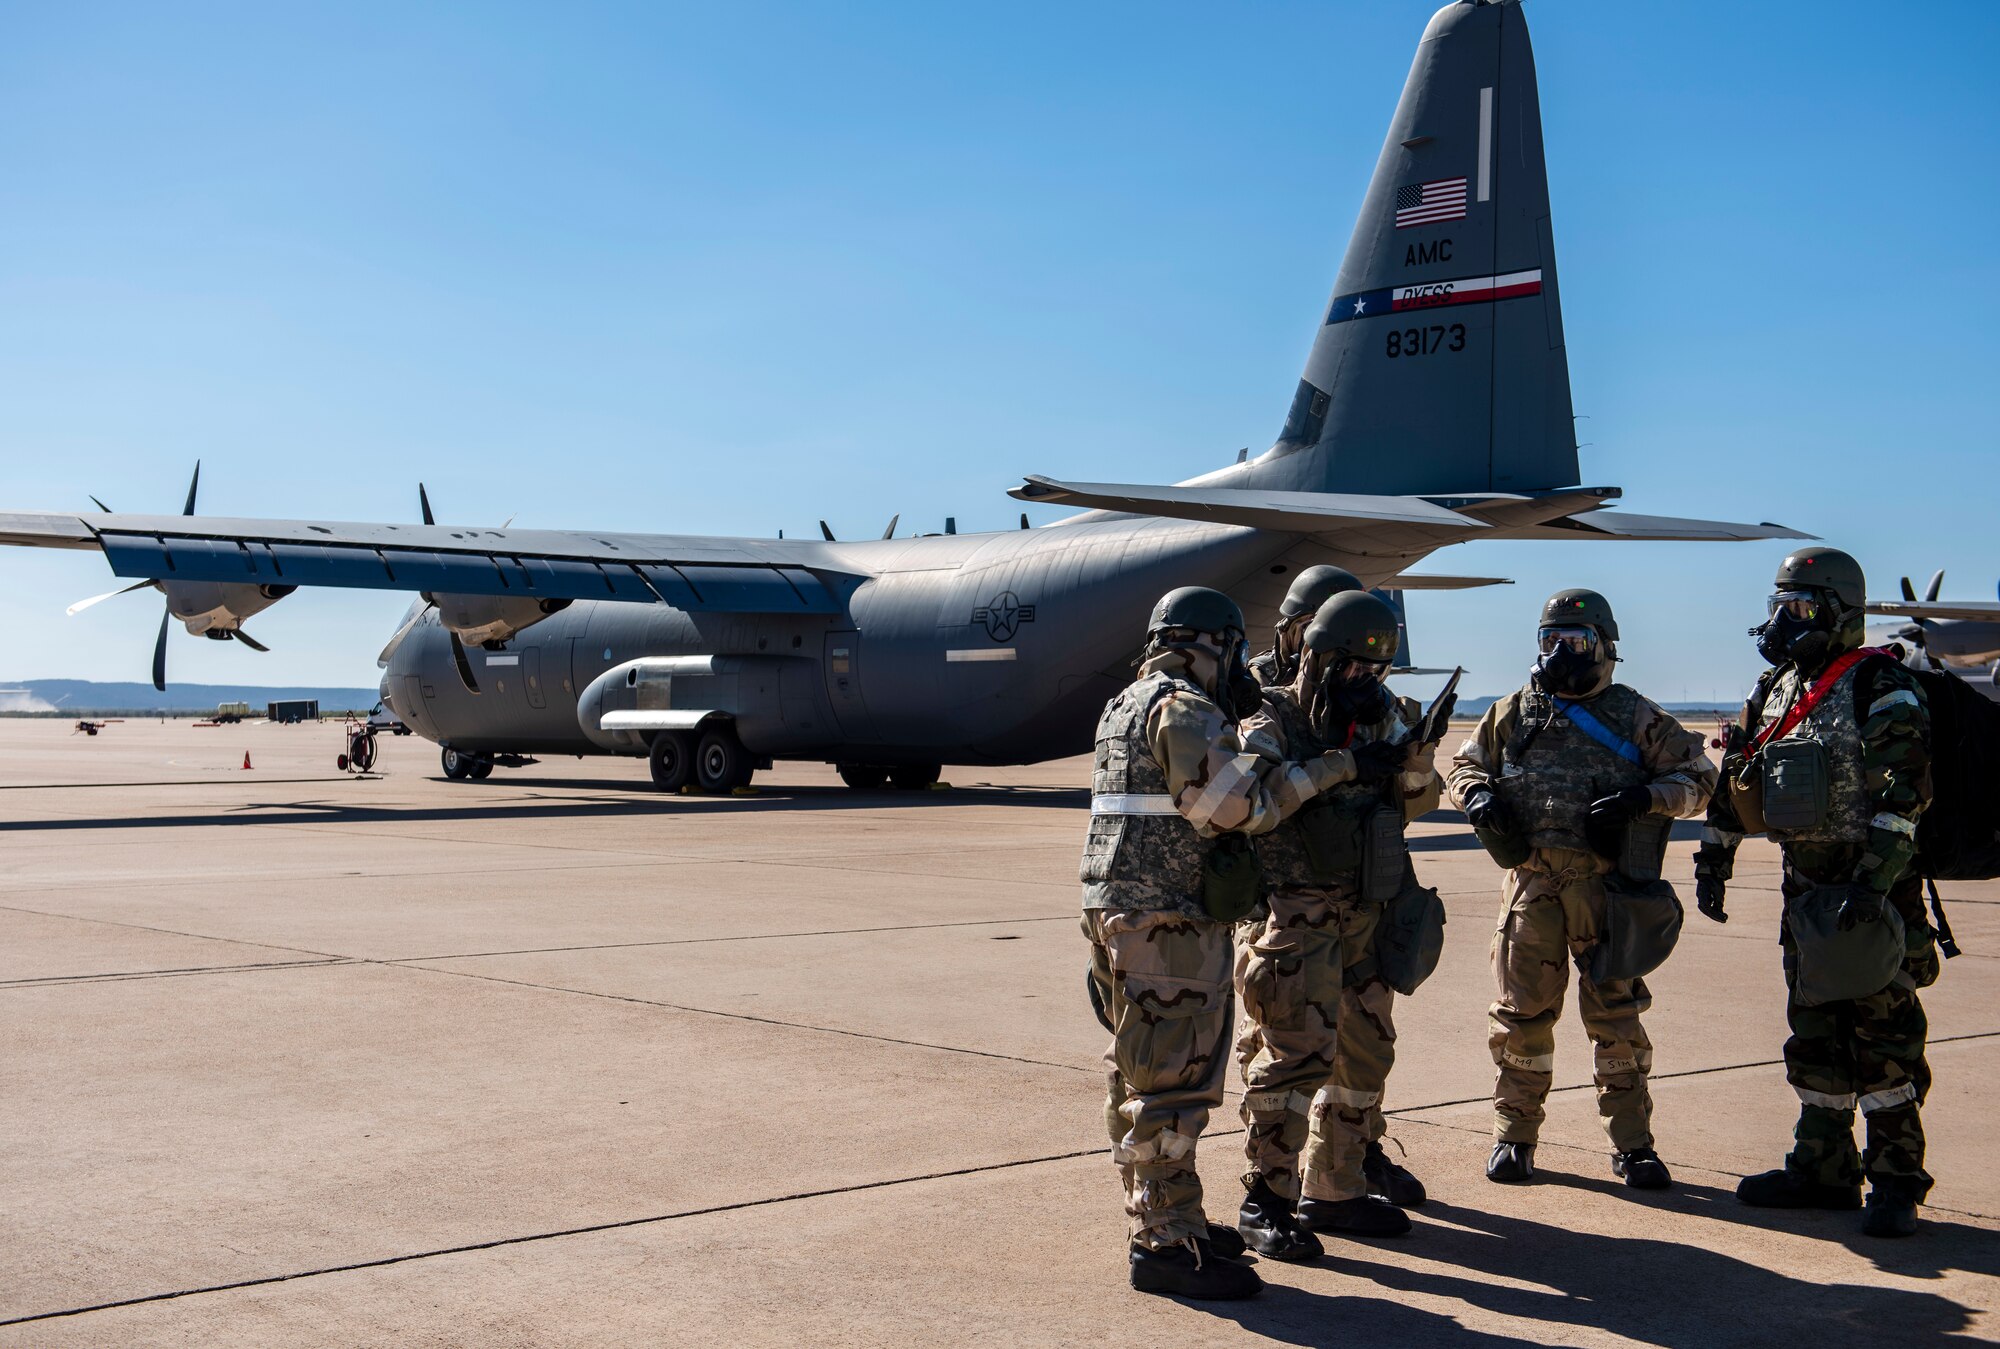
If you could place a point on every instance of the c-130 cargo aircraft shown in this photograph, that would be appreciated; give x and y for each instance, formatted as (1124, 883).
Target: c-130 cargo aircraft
(1434, 409)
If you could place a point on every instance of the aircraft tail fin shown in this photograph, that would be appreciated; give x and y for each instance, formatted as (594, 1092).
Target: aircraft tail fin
(1439, 365)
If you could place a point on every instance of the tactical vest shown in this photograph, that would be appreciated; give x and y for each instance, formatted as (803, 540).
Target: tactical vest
(1549, 778)
(1139, 860)
(1282, 852)
(1833, 726)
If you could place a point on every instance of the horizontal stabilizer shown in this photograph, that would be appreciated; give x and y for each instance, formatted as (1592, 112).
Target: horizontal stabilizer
(1424, 581)
(1974, 610)
(1256, 507)
(1656, 528)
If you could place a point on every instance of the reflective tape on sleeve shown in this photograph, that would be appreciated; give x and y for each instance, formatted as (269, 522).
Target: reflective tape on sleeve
(1132, 803)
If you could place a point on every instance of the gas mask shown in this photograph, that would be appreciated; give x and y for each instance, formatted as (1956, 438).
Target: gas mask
(1350, 690)
(1571, 661)
(1802, 630)
(1240, 692)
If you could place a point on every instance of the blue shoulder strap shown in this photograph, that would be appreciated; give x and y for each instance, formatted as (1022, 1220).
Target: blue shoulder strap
(1601, 733)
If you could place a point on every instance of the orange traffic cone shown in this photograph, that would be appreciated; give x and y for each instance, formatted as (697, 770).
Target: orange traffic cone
(246, 758)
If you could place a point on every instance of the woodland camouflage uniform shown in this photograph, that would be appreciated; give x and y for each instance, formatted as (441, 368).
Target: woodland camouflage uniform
(1868, 1052)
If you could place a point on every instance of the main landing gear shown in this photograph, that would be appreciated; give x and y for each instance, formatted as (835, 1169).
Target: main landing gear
(460, 764)
(868, 777)
(712, 759)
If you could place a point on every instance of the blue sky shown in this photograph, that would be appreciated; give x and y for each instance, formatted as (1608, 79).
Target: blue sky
(730, 269)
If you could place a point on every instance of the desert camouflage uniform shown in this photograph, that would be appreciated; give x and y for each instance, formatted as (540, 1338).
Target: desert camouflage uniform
(1268, 669)
(1317, 1037)
(1553, 904)
(1159, 963)
(1870, 1051)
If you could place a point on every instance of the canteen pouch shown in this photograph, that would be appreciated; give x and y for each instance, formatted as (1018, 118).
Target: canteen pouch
(1231, 878)
(1642, 856)
(1837, 966)
(1642, 921)
(1382, 855)
(1409, 936)
(1333, 840)
(1794, 775)
(1743, 779)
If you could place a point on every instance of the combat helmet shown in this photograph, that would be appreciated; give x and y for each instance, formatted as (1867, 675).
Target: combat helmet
(1199, 609)
(1315, 586)
(1826, 569)
(1353, 625)
(1579, 608)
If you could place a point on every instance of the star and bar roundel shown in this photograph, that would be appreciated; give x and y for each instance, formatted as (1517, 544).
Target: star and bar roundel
(1368, 304)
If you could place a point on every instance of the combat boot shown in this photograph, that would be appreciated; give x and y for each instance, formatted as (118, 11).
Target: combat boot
(1782, 1189)
(1183, 1271)
(1511, 1163)
(1271, 1228)
(1891, 1212)
(1367, 1215)
(1389, 1180)
(1226, 1242)
(1641, 1169)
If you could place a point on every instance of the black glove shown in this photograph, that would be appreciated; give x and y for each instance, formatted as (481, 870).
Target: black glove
(1484, 810)
(1629, 804)
(1862, 905)
(1379, 759)
(1708, 893)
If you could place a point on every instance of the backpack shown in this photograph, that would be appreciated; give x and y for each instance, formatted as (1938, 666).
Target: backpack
(1958, 836)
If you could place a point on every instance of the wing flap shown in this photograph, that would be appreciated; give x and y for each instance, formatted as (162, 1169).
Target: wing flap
(1662, 528)
(1258, 508)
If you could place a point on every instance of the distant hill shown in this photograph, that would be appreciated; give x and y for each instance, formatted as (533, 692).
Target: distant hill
(62, 696)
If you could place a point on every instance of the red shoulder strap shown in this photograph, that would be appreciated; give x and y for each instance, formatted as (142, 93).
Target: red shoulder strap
(1828, 677)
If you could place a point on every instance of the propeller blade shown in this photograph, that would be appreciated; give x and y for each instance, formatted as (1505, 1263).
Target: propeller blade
(1024, 519)
(193, 483)
(825, 533)
(247, 639)
(81, 605)
(1909, 591)
(464, 666)
(160, 652)
(1931, 590)
(894, 520)
(424, 500)
(100, 505)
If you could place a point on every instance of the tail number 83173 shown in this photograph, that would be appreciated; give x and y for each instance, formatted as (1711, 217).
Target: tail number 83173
(1426, 341)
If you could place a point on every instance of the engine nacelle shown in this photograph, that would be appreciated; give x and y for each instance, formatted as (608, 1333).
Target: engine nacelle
(214, 608)
(491, 619)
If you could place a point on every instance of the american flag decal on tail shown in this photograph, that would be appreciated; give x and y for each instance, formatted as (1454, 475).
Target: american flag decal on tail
(1428, 203)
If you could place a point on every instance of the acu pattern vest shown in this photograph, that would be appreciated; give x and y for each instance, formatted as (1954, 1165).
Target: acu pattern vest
(1264, 669)
(1139, 861)
(1833, 724)
(1549, 778)
(1282, 852)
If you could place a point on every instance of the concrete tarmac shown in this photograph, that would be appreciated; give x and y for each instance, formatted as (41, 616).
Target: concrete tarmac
(294, 1057)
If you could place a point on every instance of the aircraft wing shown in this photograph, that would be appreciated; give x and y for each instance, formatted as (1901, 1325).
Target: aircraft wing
(1624, 525)
(1411, 580)
(1976, 610)
(1259, 508)
(690, 572)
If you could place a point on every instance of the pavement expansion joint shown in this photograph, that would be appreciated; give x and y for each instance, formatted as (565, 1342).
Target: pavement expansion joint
(741, 937)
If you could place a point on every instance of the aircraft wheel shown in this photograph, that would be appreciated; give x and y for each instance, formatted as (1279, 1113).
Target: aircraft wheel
(672, 760)
(481, 769)
(863, 777)
(720, 763)
(915, 777)
(457, 764)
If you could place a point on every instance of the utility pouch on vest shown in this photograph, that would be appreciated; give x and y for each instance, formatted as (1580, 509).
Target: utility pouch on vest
(1231, 879)
(1333, 840)
(1836, 965)
(1743, 779)
(1795, 776)
(1382, 855)
(1409, 936)
(1643, 853)
(1642, 921)
(1509, 850)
